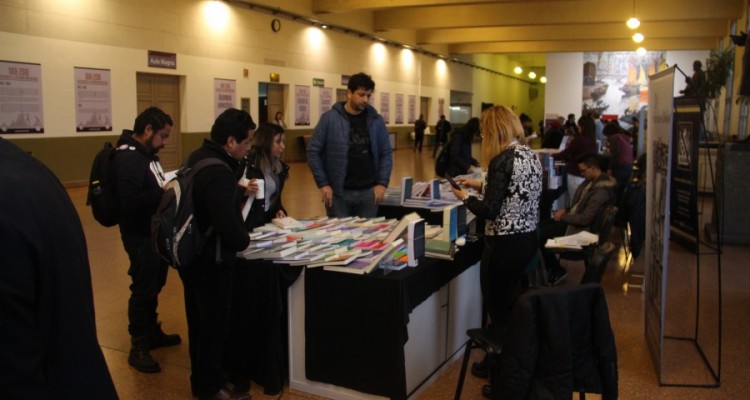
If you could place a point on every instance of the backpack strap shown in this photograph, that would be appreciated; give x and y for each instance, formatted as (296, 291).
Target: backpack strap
(207, 162)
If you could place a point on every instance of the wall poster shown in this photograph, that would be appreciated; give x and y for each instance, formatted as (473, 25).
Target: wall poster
(385, 107)
(21, 98)
(399, 108)
(301, 105)
(93, 100)
(326, 100)
(412, 108)
(225, 95)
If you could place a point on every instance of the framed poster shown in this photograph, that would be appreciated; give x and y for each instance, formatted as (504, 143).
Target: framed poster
(21, 98)
(93, 99)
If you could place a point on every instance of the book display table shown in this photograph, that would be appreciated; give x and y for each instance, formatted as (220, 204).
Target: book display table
(355, 336)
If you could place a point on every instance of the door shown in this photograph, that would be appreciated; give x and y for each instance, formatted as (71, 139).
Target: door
(275, 101)
(163, 91)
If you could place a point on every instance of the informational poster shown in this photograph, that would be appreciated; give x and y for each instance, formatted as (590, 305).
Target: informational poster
(385, 106)
(93, 100)
(684, 196)
(399, 108)
(412, 108)
(21, 98)
(326, 99)
(225, 95)
(301, 105)
(660, 89)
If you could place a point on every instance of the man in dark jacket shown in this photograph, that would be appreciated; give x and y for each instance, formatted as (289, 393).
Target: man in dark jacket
(442, 129)
(208, 284)
(350, 153)
(590, 199)
(139, 179)
(48, 343)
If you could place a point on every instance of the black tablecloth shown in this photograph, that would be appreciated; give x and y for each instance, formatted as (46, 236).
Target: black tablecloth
(260, 294)
(355, 325)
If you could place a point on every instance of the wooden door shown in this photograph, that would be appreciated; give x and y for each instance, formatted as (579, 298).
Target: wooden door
(163, 91)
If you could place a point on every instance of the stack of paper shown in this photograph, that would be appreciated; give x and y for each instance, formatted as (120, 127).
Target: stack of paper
(576, 241)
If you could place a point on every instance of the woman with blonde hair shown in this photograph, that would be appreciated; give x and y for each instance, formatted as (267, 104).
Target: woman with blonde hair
(512, 188)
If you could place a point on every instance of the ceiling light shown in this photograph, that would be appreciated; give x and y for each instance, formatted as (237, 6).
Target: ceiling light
(543, 79)
(324, 26)
(518, 70)
(641, 51)
(633, 23)
(532, 75)
(638, 37)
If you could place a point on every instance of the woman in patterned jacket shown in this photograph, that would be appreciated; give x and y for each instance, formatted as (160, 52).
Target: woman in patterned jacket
(511, 189)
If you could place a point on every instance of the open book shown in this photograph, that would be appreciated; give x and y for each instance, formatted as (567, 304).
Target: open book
(575, 242)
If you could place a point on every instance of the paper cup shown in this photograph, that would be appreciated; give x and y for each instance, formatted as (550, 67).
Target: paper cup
(261, 193)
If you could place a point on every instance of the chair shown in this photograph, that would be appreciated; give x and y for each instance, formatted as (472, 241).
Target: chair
(602, 226)
(597, 263)
(572, 320)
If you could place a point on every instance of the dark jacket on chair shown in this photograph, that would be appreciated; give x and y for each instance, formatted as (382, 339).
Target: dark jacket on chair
(560, 342)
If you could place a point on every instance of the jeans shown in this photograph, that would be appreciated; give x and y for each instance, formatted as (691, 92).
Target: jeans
(148, 273)
(353, 203)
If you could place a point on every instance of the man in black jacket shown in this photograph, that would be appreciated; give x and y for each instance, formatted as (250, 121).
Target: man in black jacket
(48, 343)
(139, 179)
(208, 284)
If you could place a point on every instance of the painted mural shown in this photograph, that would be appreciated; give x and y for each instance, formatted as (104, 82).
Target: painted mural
(616, 83)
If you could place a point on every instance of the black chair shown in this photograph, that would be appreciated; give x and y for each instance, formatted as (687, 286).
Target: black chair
(602, 226)
(597, 263)
(545, 317)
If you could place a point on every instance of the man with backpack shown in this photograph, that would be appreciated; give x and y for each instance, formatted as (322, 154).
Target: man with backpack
(442, 129)
(208, 281)
(138, 178)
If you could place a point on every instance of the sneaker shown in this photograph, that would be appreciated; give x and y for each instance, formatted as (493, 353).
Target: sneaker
(141, 360)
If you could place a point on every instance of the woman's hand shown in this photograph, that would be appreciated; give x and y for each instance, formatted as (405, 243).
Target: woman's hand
(470, 183)
(280, 214)
(251, 188)
(459, 193)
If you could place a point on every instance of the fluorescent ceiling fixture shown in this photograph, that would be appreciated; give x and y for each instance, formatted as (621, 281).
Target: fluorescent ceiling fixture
(518, 70)
(633, 23)
(638, 37)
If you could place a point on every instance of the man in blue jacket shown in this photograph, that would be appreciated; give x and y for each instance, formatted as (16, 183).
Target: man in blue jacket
(350, 155)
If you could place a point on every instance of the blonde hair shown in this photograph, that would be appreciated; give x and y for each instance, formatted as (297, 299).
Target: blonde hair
(499, 127)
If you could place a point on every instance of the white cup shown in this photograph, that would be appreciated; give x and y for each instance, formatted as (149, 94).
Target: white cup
(261, 193)
(244, 182)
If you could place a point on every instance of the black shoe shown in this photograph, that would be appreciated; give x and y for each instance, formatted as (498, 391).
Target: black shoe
(142, 361)
(487, 391)
(163, 340)
(481, 369)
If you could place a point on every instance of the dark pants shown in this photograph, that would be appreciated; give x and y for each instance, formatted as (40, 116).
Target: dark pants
(503, 261)
(622, 174)
(418, 139)
(148, 273)
(208, 291)
(548, 230)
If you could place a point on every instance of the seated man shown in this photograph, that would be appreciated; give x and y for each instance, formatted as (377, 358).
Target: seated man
(591, 198)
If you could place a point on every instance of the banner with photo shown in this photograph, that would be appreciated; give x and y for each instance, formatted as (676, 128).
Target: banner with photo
(616, 83)
(399, 108)
(301, 105)
(225, 95)
(385, 107)
(21, 98)
(93, 99)
(326, 100)
(412, 108)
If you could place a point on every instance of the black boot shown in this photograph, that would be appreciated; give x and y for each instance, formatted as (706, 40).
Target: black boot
(161, 339)
(141, 360)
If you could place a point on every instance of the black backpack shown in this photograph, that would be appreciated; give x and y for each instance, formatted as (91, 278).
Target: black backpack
(102, 196)
(174, 233)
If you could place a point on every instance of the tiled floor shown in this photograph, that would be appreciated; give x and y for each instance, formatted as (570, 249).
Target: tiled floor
(638, 377)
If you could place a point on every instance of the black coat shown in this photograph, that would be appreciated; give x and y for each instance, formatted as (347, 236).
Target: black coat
(560, 341)
(48, 343)
(258, 216)
(217, 204)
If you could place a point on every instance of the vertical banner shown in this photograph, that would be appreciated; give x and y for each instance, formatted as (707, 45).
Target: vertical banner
(399, 108)
(225, 95)
(412, 109)
(301, 105)
(385, 106)
(21, 98)
(326, 100)
(93, 99)
(660, 104)
(684, 195)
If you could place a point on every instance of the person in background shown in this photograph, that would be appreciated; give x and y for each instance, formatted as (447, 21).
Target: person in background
(634, 131)
(599, 124)
(419, 128)
(553, 137)
(208, 284)
(579, 145)
(461, 161)
(591, 198)
(48, 343)
(350, 154)
(139, 178)
(620, 156)
(263, 161)
(512, 189)
(279, 119)
(442, 129)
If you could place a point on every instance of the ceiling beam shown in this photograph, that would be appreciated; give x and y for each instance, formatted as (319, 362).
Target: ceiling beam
(563, 46)
(337, 6)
